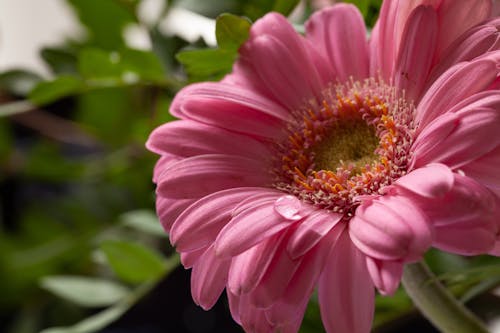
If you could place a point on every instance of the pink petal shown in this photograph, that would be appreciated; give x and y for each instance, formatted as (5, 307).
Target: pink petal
(485, 170)
(230, 116)
(467, 202)
(250, 226)
(472, 133)
(197, 176)
(431, 181)
(248, 267)
(385, 275)
(466, 238)
(346, 293)
(199, 225)
(163, 162)
(169, 209)
(187, 138)
(252, 318)
(282, 62)
(292, 302)
(391, 228)
(189, 259)
(414, 59)
(473, 43)
(339, 34)
(276, 278)
(310, 231)
(208, 279)
(391, 24)
(455, 85)
(456, 18)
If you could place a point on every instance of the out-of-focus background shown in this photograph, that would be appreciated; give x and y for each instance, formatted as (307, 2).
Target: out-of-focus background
(82, 84)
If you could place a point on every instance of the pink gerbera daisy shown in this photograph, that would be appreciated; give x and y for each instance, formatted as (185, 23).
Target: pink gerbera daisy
(328, 161)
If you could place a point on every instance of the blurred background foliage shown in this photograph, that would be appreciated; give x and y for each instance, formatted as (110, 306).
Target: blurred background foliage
(80, 246)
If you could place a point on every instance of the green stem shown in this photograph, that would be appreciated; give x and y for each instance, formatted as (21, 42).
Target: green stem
(436, 303)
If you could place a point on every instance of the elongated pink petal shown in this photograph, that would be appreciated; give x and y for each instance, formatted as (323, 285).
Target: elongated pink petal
(339, 34)
(472, 133)
(385, 275)
(452, 11)
(220, 113)
(276, 278)
(460, 82)
(467, 202)
(298, 291)
(248, 267)
(473, 43)
(200, 223)
(346, 293)
(310, 231)
(233, 95)
(485, 170)
(466, 238)
(391, 228)
(169, 209)
(163, 162)
(431, 181)
(197, 176)
(251, 226)
(189, 259)
(417, 47)
(208, 279)
(187, 138)
(252, 319)
(282, 62)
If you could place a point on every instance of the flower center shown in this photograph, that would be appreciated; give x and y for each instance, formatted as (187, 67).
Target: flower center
(353, 143)
(348, 142)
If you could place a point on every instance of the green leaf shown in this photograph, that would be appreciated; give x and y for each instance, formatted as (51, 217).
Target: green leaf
(207, 63)
(231, 31)
(133, 262)
(144, 221)
(60, 61)
(285, 7)
(84, 291)
(143, 63)
(104, 20)
(127, 66)
(99, 64)
(50, 91)
(94, 323)
(19, 82)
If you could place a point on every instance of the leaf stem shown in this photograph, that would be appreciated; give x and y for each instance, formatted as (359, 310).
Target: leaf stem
(436, 303)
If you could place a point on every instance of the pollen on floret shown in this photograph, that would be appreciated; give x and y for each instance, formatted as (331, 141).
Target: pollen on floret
(354, 142)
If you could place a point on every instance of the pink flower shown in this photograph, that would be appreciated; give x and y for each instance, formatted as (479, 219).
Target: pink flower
(329, 161)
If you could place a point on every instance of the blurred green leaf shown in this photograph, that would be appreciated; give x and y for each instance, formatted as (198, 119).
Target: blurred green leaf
(18, 82)
(84, 291)
(99, 64)
(133, 262)
(102, 319)
(144, 221)
(128, 66)
(363, 5)
(47, 162)
(96, 322)
(60, 61)
(285, 7)
(207, 63)
(231, 31)
(255, 9)
(50, 91)
(104, 20)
